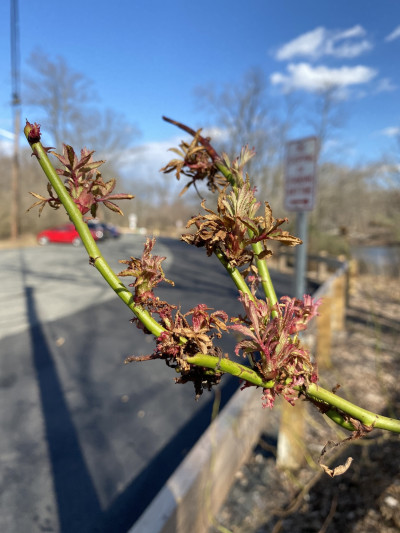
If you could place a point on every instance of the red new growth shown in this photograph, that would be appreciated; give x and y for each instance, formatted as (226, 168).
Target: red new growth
(34, 133)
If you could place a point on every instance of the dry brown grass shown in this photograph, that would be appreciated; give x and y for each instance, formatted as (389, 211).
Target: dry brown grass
(21, 242)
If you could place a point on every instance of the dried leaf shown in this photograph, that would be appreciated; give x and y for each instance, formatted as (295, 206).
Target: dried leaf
(338, 470)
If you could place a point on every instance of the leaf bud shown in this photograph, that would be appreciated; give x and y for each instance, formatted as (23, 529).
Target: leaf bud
(32, 131)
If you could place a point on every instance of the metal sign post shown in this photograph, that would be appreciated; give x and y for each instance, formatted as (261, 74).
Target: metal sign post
(300, 185)
(300, 272)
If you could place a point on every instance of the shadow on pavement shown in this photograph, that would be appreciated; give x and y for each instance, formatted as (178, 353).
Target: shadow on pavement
(77, 502)
(127, 508)
(76, 507)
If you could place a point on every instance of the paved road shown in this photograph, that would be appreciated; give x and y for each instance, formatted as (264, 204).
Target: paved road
(87, 442)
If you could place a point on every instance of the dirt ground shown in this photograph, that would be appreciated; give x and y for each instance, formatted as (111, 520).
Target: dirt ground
(365, 499)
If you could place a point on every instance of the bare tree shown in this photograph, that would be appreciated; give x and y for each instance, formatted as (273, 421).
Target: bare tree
(64, 99)
(246, 115)
(325, 117)
(58, 93)
(328, 114)
(61, 99)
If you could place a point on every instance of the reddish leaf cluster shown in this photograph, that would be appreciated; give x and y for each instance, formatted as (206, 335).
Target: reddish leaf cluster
(303, 311)
(84, 184)
(271, 346)
(196, 164)
(147, 270)
(235, 227)
(185, 334)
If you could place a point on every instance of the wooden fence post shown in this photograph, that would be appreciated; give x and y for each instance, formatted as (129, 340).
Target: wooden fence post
(290, 451)
(339, 303)
(324, 333)
(352, 275)
(332, 313)
(322, 267)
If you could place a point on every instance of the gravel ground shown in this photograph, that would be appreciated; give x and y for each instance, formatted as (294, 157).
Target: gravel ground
(365, 499)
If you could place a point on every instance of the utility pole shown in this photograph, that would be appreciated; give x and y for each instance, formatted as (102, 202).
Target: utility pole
(16, 108)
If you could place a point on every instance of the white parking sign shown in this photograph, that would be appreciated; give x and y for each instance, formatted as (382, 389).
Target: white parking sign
(300, 174)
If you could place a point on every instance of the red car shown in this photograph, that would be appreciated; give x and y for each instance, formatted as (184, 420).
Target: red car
(68, 234)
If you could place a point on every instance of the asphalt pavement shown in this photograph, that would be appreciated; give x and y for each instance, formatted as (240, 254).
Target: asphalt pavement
(86, 441)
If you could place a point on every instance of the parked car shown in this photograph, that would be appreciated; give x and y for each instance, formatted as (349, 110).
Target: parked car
(100, 228)
(68, 234)
(110, 230)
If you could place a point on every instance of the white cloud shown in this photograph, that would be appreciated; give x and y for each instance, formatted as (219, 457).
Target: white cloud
(308, 44)
(385, 85)
(391, 131)
(319, 42)
(144, 162)
(216, 134)
(309, 78)
(6, 144)
(7, 134)
(6, 148)
(394, 35)
(348, 50)
(355, 31)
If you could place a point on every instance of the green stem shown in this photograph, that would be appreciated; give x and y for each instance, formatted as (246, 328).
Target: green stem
(314, 392)
(262, 266)
(368, 418)
(234, 273)
(226, 173)
(339, 419)
(91, 247)
(230, 367)
(265, 276)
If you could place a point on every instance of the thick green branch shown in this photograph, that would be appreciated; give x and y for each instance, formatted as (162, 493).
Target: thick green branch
(340, 406)
(230, 367)
(234, 273)
(265, 276)
(368, 418)
(226, 173)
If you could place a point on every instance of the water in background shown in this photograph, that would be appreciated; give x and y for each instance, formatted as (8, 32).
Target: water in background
(378, 259)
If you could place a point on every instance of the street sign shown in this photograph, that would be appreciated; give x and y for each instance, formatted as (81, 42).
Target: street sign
(300, 174)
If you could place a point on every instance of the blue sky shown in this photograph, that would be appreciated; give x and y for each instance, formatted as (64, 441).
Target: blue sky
(146, 58)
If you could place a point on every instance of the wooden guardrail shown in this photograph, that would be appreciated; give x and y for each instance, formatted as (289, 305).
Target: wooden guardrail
(319, 266)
